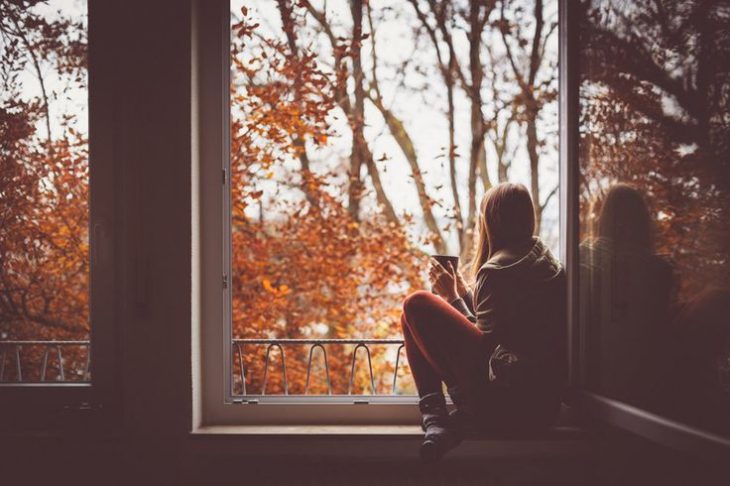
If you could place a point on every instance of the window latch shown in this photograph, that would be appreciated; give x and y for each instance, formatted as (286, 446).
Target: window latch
(245, 401)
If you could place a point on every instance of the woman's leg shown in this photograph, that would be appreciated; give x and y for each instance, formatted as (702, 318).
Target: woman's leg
(427, 378)
(441, 345)
(447, 344)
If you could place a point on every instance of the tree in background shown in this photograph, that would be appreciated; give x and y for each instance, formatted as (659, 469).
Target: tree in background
(320, 248)
(307, 267)
(323, 245)
(43, 181)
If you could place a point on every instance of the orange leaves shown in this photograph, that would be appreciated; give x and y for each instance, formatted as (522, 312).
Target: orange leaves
(280, 291)
(302, 266)
(244, 28)
(44, 214)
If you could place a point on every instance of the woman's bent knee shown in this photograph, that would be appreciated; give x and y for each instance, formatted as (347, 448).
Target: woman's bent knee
(418, 300)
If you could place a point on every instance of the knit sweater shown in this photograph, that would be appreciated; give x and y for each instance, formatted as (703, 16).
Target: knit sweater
(520, 306)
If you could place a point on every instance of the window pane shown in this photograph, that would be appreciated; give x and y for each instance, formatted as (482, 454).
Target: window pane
(44, 214)
(358, 149)
(655, 205)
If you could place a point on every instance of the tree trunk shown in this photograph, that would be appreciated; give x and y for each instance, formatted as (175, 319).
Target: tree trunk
(451, 110)
(477, 121)
(398, 130)
(532, 152)
(287, 22)
(448, 69)
(382, 198)
(358, 114)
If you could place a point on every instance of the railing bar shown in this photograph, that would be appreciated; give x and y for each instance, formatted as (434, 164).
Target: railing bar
(266, 370)
(235, 340)
(239, 347)
(327, 371)
(2, 365)
(59, 355)
(309, 367)
(326, 368)
(19, 376)
(352, 368)
(395, 370)
(46, 342)
(283, 365)
(372, 376)
(44, 364)
(318, 341)
(87, 367)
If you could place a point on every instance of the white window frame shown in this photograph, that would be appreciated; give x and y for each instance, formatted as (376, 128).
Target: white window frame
(214, 403)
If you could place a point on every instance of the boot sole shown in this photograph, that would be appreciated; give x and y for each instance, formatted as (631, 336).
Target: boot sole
(431, 451)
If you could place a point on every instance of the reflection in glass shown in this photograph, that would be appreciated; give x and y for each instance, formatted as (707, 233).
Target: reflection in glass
(655, 205)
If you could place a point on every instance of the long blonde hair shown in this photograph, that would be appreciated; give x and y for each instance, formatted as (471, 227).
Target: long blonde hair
(506, 218)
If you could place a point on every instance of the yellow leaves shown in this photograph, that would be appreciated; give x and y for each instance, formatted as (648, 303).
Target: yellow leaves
(280, 291)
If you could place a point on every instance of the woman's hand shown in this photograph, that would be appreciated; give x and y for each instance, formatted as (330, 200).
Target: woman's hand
(462, 289)
(443, 281)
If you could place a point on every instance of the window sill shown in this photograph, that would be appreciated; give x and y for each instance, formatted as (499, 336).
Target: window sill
(389, 442)
(311, 430)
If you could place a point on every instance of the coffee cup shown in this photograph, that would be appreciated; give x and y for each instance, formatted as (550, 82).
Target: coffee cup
(444, 260)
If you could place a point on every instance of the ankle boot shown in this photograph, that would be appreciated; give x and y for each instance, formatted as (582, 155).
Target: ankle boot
(439, 437)
(461, 418)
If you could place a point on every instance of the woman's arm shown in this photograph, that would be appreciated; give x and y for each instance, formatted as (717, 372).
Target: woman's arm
(487, 305)
(462, 305)
(468, 299)
(464, 299)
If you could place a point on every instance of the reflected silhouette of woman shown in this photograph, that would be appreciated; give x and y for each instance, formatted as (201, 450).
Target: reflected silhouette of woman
(626, 292)
(499, 348)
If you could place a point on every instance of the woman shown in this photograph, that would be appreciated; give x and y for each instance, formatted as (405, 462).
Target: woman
(499, 348)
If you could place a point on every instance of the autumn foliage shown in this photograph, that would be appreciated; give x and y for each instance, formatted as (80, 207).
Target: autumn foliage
(320, 248)
(321, 245)
(43, 184)
(303, 267)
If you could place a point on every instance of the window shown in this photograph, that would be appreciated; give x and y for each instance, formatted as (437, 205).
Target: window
(347, 163)
(55, 206)
(652, 207)
(44, 246)
(44, 308)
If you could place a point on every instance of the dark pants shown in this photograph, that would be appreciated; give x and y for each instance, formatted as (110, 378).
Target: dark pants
(441, 344)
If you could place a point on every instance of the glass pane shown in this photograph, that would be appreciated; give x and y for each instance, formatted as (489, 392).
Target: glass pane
(44, 213)
(655, 205)
(358, 149)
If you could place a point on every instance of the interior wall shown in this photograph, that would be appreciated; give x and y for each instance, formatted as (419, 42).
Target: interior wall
(153, 141)
(148, 72)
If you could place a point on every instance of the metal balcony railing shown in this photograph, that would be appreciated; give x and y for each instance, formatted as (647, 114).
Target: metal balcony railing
(21, 359)
(359, 345)
(48, 361)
